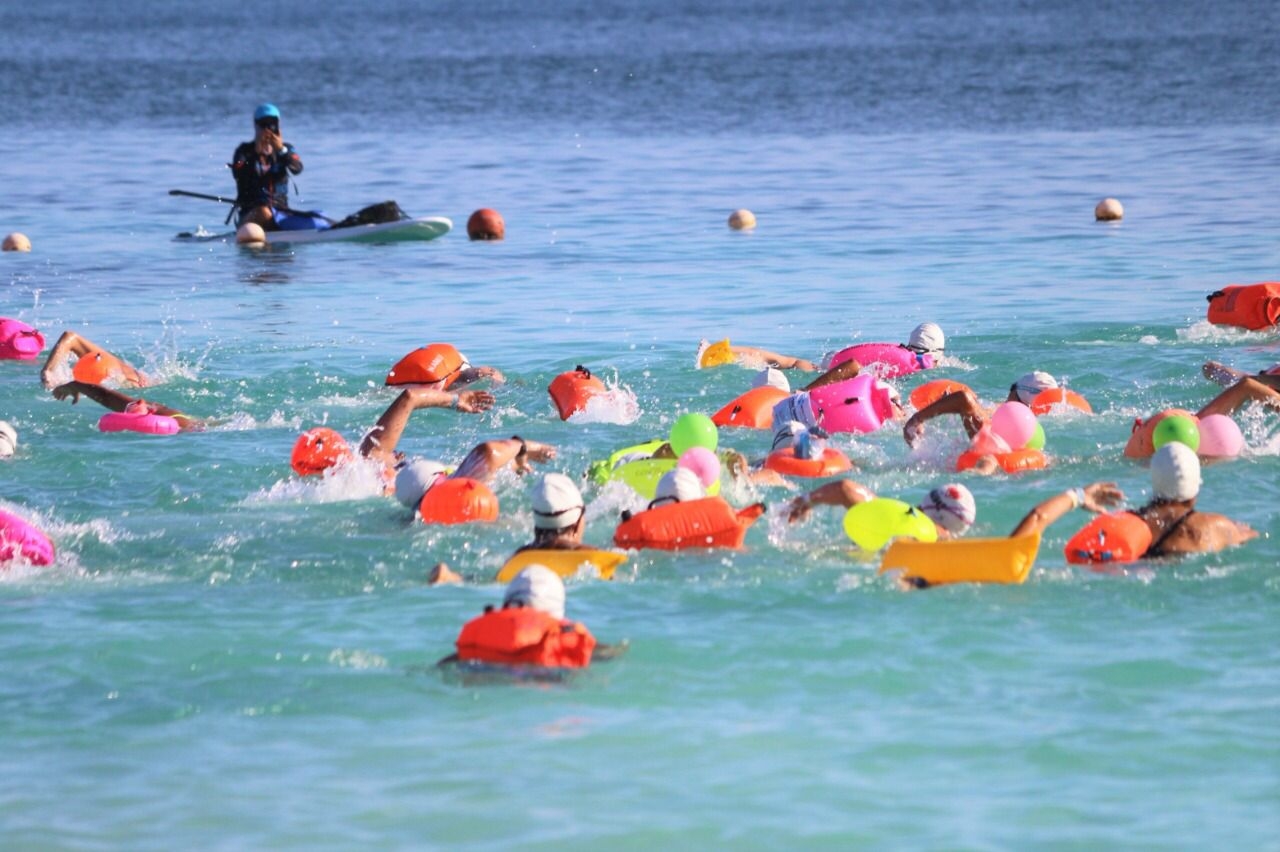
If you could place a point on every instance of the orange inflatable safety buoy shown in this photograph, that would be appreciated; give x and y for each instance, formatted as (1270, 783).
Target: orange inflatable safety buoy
(317, 450)
(1014, 461)
(1140, 444)
(436, 363)
(521, 636)
(751, 410)
(785, 462)
(96, 366)
(708, 522)
(1251, 306)
(458, 500)
(1114, 537)
(930, 392)
(572, 390)
(1044, 401)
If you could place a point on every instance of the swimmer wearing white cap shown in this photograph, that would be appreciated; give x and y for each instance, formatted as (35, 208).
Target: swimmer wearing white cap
(951, 507)
(559, 514)
(1177, 527)
(973, 414)
(8, 440)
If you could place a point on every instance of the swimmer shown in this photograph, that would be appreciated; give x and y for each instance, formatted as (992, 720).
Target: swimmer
(380, 442)
(530, 629)
(117, 401)
(439, 366)
(951, 507)
(559, 515)
(752, 356)
(8, 440)
(973, 415)
(1241, 388)
(806, 442)
(1177, 527)
(680, 485)
(70, 344)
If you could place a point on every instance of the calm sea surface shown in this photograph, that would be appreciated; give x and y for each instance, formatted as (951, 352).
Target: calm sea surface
(225, 656)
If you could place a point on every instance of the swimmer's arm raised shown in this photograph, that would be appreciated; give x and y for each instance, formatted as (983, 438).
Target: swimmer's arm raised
(962, 402)
(381, 441)
(1096, 497)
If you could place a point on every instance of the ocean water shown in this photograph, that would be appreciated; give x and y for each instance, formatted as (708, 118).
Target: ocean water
(227, 656)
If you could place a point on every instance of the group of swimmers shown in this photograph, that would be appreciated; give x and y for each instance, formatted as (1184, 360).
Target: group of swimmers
(530, 627)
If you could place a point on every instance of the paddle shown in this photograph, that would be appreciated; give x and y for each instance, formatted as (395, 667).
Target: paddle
(225, 200)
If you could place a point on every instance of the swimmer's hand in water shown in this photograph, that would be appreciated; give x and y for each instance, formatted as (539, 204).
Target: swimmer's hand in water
(913, 430)
(535, 451)
(61, 392)
(799, 509)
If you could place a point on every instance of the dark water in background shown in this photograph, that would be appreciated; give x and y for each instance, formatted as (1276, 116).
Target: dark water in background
(660, 67)
(227, 656)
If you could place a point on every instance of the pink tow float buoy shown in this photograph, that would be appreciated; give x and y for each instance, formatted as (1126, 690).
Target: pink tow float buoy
(137, 417)
(19, 341)
(19, 539)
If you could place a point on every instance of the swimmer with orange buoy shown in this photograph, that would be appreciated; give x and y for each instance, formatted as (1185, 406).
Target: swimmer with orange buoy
(1213, 420)
(94, 364)
(529, 634)
(951, 507)
(681, 517)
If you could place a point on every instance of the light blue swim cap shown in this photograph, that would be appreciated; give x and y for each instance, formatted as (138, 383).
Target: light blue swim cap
(266, 111)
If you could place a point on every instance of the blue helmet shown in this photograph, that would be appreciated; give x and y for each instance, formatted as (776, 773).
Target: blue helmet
(266, 111)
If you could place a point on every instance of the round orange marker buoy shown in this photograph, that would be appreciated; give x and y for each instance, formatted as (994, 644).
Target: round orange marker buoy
(486, 224)
(1108, 210)
(16, 242)
(742, 220)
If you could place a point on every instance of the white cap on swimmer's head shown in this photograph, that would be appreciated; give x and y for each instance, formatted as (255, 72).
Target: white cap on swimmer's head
(678, 485)
(772, 377)
(8, 440)
(951, 507)
(557, 502)
(927, 337)
(415, 477)
(1030, 385)
(537, 587)
(1175, 472)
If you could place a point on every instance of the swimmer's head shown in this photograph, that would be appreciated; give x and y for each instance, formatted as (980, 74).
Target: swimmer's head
(1029, 386)
(772, 377)
(927, 339)
(415, 477)
(557, 503)
(678, 486)
(537, 587)
(1175, 472)
(951, 507)
(8, 440)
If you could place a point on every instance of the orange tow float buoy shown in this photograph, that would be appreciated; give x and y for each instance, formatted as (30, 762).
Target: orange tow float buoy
(572, 390)
(458, 500)
(708, 522)
(1044, 401)
(751, 410)
(317, 450)
(436, 363)
(1251, 306)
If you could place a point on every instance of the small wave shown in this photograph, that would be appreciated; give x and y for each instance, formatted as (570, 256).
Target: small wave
(617, 405)
(242, 421)
(356, 480)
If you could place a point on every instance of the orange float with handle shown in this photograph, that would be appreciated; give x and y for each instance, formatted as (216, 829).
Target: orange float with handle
(572, 390)
(458, 500)
(751, 410)
(1251, 306)
(1014, 461)
(434, 364)
(930, 392)
(708, 522)
(1141, 444)
(831, 463)
(1110, 538)
(1044, 401)
(317, 450)
(521, 636)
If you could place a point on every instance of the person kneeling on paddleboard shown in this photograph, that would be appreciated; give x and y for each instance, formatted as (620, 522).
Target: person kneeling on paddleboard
(261, 169)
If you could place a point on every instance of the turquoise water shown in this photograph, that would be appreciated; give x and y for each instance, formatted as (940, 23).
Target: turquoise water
(226, 656)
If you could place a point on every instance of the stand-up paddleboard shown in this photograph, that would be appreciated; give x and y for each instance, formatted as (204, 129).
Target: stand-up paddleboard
(404, 231)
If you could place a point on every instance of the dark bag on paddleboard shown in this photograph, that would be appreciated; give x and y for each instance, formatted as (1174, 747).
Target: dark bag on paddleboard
(374, 214)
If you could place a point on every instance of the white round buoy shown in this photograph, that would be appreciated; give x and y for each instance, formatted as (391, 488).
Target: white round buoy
(16, 242)
(250, 233)
(742, 220)
(1108, 210)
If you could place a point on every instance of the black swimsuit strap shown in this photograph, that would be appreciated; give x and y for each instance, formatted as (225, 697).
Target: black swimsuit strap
(1156, 548)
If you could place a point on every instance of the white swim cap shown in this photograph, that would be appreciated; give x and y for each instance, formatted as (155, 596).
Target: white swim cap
(1175, 472)
(8, 439)
(927, 337)
(772, 377)
(1031, 384)
(557, 502)
(413, 480)
(679, 485)
(537, 587)
(951, 507)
